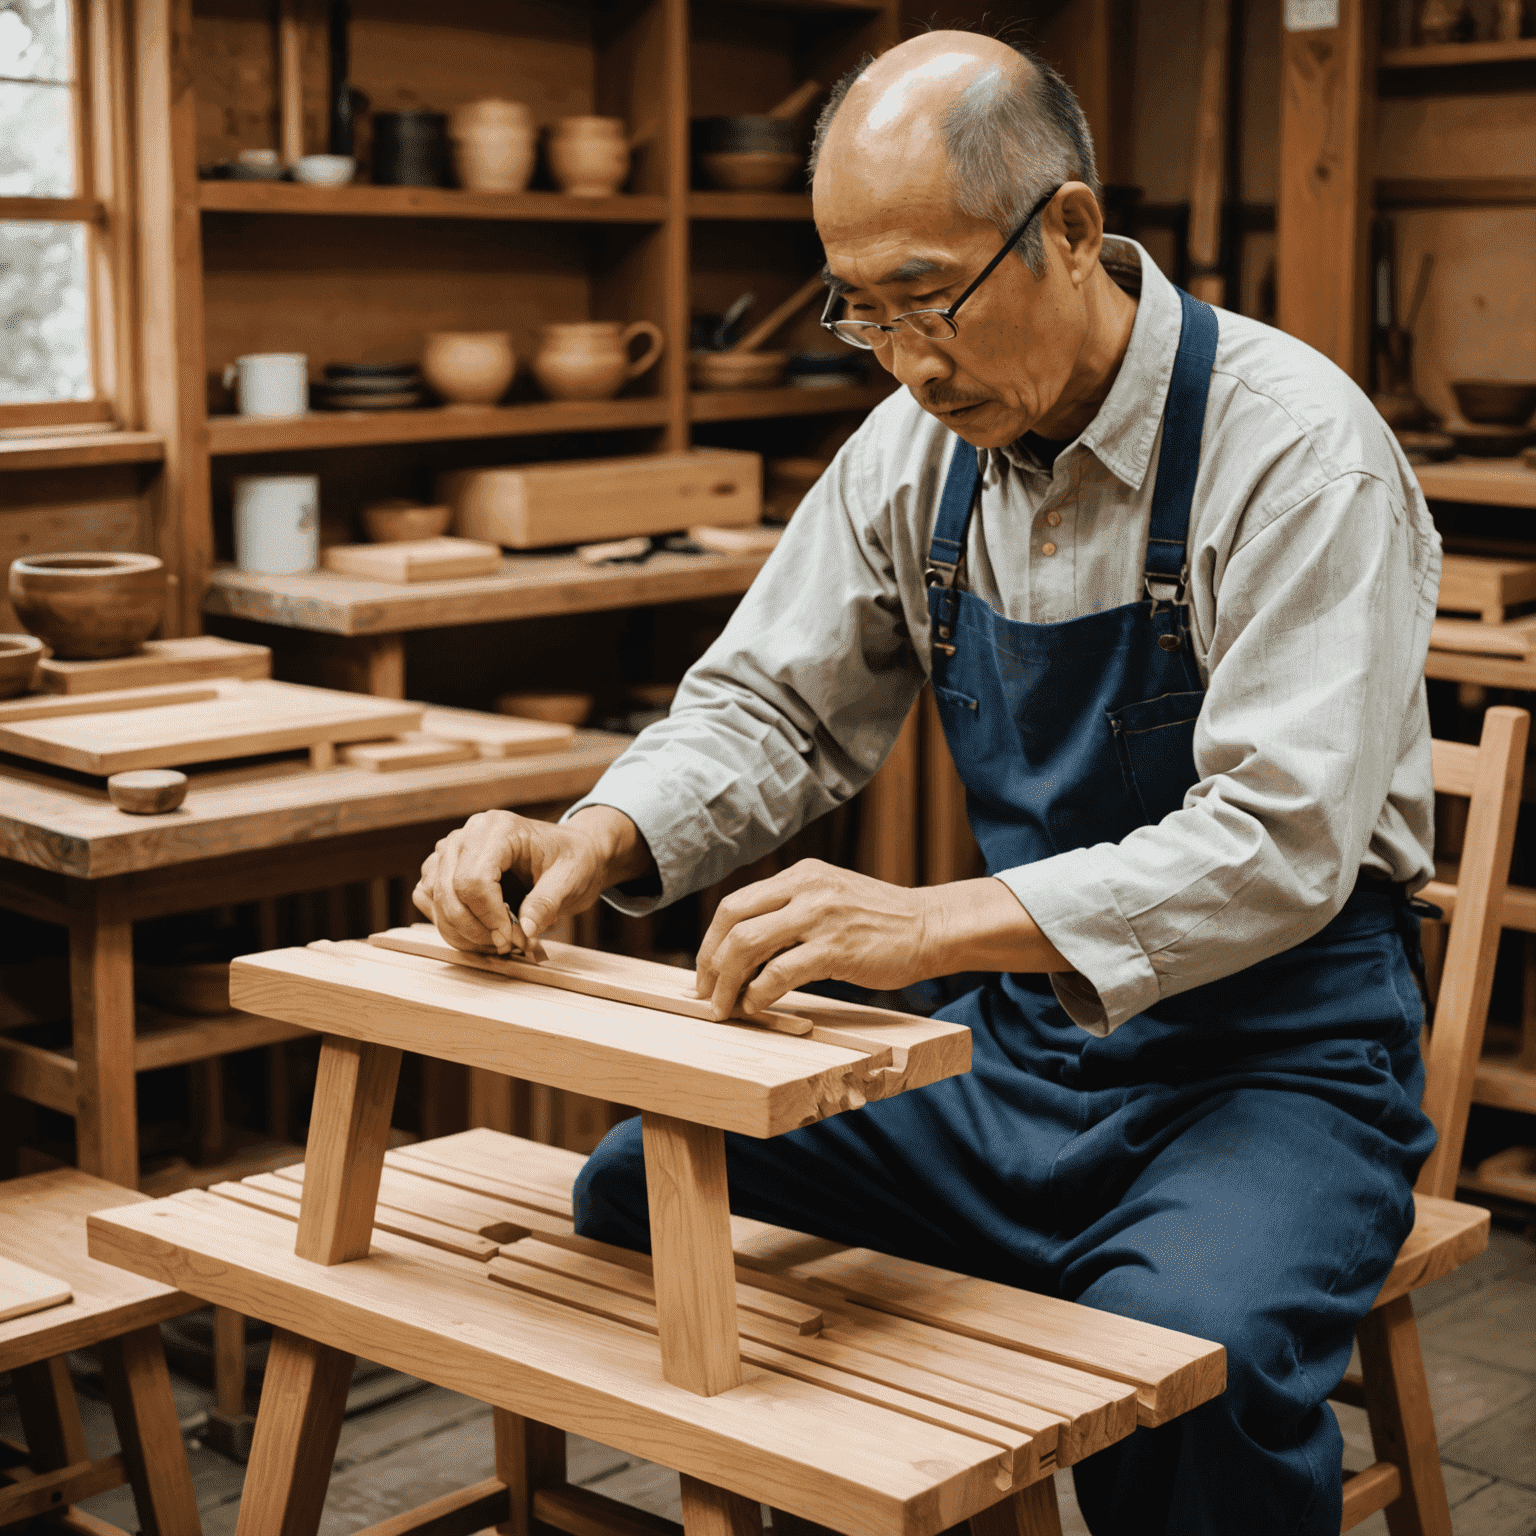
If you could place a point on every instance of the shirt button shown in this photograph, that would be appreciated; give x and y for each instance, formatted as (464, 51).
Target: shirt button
(1053, 518)
(1047, 549)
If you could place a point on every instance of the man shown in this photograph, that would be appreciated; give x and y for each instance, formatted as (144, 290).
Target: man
(1172, 583)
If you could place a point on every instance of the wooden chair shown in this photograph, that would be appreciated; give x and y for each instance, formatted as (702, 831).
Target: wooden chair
(842, 1387)
(42, 1222)
(1406, 1480)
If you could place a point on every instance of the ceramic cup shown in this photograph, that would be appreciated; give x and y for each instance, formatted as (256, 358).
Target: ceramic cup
(269, 383)
(493, 157)
(589, 156)
(590, 360)
(277, 523)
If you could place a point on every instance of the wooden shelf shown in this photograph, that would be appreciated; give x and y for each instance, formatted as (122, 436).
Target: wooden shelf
(79, 449)
(1451, 55)
(749, 205)
(755, 404)
(527, 586)
(1488, 671)
(365, 429)
(1456, 192)
(1505, 1085)
(1489, 482)
(425, 203)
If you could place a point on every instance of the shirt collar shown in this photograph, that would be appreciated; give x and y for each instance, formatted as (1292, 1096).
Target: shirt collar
(1123, 432)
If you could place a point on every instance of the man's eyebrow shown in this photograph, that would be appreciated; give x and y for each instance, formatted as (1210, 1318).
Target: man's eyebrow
(912, 267)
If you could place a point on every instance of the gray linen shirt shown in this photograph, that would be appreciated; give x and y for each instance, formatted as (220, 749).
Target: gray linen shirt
(1313, 573)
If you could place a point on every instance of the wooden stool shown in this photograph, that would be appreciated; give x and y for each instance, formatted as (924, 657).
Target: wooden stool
(42, 1221)
(878, 1398)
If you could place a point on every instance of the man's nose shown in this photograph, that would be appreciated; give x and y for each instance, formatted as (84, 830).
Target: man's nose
(915, 361)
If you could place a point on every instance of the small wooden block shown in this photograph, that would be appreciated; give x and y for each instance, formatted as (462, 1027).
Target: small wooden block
(496, 735)
(23, 1290)
(1485, 584)
(147, 791)
(415, 749)
(1513, 638)
(736, 541)
(158, 662)
(442, 559)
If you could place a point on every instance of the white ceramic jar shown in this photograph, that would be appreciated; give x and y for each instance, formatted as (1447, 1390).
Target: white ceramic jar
(277, 523)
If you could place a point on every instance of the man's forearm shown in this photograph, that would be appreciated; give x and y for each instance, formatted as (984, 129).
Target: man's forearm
(980, 925)
(619, 842)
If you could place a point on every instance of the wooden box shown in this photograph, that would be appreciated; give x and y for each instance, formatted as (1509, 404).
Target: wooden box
(530, 505)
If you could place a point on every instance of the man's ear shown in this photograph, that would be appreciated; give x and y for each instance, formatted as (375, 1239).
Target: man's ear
(1077, 221)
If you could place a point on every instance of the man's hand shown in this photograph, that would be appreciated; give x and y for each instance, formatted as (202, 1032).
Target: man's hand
(568, 868)
(815, 922)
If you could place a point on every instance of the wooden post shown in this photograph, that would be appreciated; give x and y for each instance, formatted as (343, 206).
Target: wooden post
(529, 1456)
(1208, 176)
(712, 1511)
(887, 846)
(1032, 1511)
(1327, 123)
(50, 1414)
(695, 1272)
(290, 76)
(101, 1001)
(348, 1129)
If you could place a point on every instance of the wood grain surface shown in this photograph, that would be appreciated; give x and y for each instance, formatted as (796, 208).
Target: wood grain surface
(24, 1290)
(158, 662)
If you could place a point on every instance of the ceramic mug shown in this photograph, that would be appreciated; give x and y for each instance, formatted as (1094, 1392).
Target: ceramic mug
(269, 383)
(277, 523)
(588, 156)
(590, 360)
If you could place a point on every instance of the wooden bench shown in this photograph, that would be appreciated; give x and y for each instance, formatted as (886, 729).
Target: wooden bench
(881, 1399)
(42, 1222)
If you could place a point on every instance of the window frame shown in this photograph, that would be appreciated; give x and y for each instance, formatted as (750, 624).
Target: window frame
(103, 168)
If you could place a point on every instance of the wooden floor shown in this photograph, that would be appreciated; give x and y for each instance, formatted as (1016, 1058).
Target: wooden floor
(1479, 1332)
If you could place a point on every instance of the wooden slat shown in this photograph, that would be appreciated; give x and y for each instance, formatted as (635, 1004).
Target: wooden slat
(1456, 192)
(1446, 1234)
(35, 706)
(878, 1472)
(37, 1075)
(24, 1290)
(463, 1513)
(362, 200)
(585, 1512)
(158, 663)
(1368, 1491)
(1505, 1085)
(403, 1191)
(1496, 482)
(1485, 584)
(77, 450)
(43, 1492)
(1171, 1372)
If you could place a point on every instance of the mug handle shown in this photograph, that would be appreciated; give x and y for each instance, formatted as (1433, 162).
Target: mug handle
(651, 353)
(230, 375)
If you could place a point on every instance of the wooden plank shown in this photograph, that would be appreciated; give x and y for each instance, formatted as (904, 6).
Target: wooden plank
(1454, 767)
(1446, 1234)
(24, 1290)
(1031, 1511)
(441, 559)
(767, 404)
(1457, 55)
(415, 749)
(37, 1075)
(1511, 1173)
(1513, 639)
(529, 1456)
(35, 706)
(245, 719)
(462, 1513)
(887, 846)
(495, 735)
(585, 1512)
(1497, 482)
(1367, 1491)
(43, 1492)
(1456, 191)
(76, 451)
(172, 1040)
(1485, 584)
(1171, 1372)
(401, 1190)
(1490, 671)
(709, 1510)
(362, 200)
(1505, 1085)
(158, 663)
(878, 1472)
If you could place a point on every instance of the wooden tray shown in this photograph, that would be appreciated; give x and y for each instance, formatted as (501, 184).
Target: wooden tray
(157, 662)
(416, 559)
(244, 719)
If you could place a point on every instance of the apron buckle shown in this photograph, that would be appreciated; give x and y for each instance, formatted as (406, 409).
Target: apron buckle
(1173, 588)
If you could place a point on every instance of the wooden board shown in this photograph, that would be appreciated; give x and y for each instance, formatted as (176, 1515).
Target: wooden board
(587, 501)
(24, 1290)
(157, 662)
(496, 735)
(735, 1077)
(1485, 585)
(415, 749)
(1494, 482)
(410, 560)
(1513, 638)
(51, 706)
(244, 720)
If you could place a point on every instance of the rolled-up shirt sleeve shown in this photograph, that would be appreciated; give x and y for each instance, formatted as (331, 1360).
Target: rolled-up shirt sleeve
(791, 711)
(1315, 699)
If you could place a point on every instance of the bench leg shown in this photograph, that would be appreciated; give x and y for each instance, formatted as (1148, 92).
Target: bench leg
(303, 1398)
(529, 1456)
(139, 1390)
(1031, 1511)
(712, 1511)
(1402, 1425)
(50, 1415)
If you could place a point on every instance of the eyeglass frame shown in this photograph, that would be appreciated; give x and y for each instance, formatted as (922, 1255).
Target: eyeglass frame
(948, 314)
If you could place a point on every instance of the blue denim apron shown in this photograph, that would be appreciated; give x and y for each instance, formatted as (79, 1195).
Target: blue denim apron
(1236, 1162)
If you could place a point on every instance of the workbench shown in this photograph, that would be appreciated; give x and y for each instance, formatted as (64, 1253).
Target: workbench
(248, 832)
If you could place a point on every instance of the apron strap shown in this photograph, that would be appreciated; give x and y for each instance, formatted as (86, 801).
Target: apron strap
(955, 503)
(1178, 460)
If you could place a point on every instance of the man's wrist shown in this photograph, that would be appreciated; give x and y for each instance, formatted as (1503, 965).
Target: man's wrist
(980, 925)
(620, 845)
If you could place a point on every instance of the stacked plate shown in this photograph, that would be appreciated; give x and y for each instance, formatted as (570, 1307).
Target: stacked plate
(370, 387)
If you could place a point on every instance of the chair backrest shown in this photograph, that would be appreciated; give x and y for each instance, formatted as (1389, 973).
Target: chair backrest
(1490, 775)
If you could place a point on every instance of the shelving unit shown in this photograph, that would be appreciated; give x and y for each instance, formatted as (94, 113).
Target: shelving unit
(1481, 482)
(1459, 55)
(426, 203)
(749, 205)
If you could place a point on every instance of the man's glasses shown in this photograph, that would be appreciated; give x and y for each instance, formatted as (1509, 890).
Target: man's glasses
(932, 324)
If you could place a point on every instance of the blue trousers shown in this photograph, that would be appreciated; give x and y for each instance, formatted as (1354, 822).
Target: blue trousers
(1236, 1164)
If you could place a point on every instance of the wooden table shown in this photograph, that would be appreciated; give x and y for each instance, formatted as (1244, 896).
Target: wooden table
(879, 1397)
(368, 620)
(68, 856)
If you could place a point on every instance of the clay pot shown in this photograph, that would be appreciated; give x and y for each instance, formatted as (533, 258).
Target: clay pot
(749, 170)
(1506, 402)
(554, 708)
(494, 145)
(739, 370)
(590, 360)
(469, 367)
(589, 156)
(89, 605)
(1444, 21)
(393, 522)
(19, 656)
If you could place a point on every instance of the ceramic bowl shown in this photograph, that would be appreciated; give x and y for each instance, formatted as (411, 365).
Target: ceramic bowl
(553, 708)
(1489, 442)
(469, 368)
(1498, 401)
(739, 370)
(89, 605)
(325, 170)
(750, 170)
(394, 522)
(744, 133)
(19, 656)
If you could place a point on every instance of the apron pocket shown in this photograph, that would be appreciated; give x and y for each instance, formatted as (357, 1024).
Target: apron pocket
(1155, 742)
(955, 699)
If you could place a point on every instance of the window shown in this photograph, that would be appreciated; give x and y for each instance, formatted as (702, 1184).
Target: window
(61, 252)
